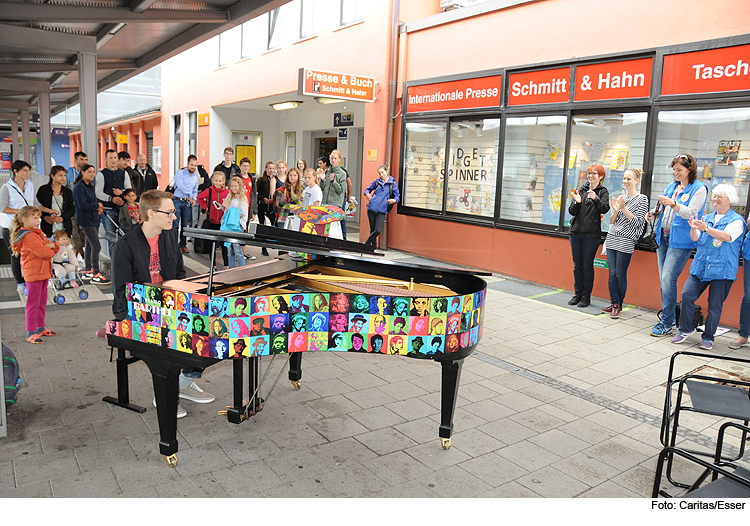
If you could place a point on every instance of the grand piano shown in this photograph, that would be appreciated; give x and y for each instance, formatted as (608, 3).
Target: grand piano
(325, 295)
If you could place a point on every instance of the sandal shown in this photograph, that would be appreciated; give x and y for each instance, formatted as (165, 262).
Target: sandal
(46, 332)
(34, 338)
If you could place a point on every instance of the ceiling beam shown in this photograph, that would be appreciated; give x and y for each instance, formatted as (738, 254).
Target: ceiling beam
(17, 68)
(14, 105)
(41, 38)
(27, 12)
(28, 86)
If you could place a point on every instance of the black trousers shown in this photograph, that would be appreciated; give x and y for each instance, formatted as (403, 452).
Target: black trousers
(224, 252)
(584, 251)
(376, 226)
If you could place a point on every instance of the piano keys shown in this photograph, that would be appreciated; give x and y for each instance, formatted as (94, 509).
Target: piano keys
(335, 296)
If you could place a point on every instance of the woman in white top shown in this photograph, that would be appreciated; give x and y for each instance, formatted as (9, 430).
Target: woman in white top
(627, 219)
(14, 195)
(237, 198)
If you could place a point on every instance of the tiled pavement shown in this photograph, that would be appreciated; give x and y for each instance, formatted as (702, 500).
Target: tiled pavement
(556, 402)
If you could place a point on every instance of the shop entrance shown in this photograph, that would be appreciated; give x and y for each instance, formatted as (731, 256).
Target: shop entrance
(324, 146)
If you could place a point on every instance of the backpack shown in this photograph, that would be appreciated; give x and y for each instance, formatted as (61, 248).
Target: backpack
(698, 319)
(11, 376)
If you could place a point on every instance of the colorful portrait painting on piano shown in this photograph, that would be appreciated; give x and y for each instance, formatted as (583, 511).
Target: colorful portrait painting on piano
(229, 327)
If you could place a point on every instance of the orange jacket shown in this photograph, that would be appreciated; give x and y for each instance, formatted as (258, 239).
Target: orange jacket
(36, 256)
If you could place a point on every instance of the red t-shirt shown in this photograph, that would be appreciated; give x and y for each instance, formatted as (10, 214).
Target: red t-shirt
(154, 262)
(248, 186)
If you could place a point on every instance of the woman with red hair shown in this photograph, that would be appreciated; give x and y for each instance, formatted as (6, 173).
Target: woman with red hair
(587, 206)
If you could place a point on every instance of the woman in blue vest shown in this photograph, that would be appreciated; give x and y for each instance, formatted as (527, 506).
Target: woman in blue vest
(683, 199)
(715, 264)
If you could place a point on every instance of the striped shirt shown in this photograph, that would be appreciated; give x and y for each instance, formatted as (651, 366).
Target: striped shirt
(625, 232)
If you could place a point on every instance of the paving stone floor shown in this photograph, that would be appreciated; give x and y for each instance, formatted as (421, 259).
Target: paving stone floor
(555, 402)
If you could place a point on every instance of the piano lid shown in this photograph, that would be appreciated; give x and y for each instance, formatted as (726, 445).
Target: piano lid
(283, 239)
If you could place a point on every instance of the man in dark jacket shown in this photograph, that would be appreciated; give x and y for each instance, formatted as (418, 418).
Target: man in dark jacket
(146, 174)
(136, 181)
(150, 253)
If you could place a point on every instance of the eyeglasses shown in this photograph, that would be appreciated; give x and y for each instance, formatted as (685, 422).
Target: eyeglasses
(592, 173)
(168, 213)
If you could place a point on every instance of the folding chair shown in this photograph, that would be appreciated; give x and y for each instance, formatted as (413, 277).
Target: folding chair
(709, 395)
(734, 484)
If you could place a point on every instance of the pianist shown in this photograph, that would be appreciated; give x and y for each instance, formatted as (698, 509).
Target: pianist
(150, 253)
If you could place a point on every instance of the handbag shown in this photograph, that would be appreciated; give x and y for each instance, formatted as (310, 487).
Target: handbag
(392, 196)
(647, 241)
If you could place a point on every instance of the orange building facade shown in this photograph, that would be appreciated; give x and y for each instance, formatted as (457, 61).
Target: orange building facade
(497, 109)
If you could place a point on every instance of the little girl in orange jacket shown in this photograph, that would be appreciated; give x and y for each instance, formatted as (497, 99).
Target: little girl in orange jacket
(36, 252)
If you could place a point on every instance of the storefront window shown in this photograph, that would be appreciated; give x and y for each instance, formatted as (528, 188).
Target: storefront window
(616, 141)
(424, 159)
(719, 139)
(533, 169)
(472, 167)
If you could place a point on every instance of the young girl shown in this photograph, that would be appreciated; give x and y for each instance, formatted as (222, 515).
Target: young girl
(130, 214)
(288, 195)
(36, 253)
(235, 208)
(209, 200)
(313, 195)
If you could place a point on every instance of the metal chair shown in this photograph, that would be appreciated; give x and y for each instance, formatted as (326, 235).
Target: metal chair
(709, 395)
(726, 484)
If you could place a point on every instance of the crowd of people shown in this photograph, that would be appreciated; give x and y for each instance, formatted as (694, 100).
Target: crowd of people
(680, 228)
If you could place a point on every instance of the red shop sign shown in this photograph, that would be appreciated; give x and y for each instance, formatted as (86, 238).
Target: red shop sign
(480, 92)
(539, 87)
(724, 69)
(625, 79)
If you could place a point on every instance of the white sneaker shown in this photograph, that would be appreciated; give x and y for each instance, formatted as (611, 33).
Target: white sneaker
(195, 394)
(180, 411)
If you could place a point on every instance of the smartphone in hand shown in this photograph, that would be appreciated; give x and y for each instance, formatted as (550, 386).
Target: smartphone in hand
(217, 205)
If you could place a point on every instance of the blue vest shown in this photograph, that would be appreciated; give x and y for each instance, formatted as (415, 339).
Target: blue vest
(113, 179)
(679, 234)
(717, 259)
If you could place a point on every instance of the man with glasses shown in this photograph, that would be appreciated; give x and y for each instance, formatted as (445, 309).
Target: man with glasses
(150, 253)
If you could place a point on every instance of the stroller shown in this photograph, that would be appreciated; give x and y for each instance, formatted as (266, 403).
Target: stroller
(60, 284)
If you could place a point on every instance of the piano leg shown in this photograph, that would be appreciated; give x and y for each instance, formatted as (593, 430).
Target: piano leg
(166, 378)
(449, 393)
(295, 368)
(237, 414)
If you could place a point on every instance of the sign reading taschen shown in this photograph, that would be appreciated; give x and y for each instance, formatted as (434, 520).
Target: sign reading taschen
(482, 92)
(709, 71)
(344, 86)
(614, 80)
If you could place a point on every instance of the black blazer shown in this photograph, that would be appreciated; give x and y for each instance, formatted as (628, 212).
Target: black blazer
(130, 261)
(44, 196)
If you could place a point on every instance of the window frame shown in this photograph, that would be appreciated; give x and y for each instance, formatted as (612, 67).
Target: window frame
(359, 6)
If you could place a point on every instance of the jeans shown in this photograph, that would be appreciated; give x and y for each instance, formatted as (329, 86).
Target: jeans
(343, 221)
(15, 261)
(91, 249)
(184, 214)
(745, 305)
(110, 228)
(671, 262)
(235, 252)
(618, 275)
(376, 226)
(584, 250)
(718, 290)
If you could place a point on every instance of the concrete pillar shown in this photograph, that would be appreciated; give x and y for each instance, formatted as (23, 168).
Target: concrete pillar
(46, 135)
(14, 137)
(26, 136)
(142, 146)
(87, 86)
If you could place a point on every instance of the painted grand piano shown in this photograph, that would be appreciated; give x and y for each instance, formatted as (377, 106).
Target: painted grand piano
(325, 295)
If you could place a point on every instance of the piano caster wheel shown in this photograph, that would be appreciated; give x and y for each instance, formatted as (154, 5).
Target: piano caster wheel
(295, 384)
(446, 442)
(171, 460)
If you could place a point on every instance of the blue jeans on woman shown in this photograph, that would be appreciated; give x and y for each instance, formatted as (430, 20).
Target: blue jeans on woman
(235, 255)
(671, 262)
(618, 275)
(584, 251)
(718, 290)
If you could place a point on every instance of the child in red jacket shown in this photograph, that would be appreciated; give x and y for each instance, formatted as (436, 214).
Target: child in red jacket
(210, 200)
(36, 253)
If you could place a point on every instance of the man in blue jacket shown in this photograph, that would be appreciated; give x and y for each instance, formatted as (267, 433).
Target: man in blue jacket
(185, 194)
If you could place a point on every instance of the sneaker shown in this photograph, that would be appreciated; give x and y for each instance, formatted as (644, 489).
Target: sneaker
(680, 336)
(739, 342)
(249, 258)
(180, 411)
(87, 274)
(100, 280)
(263, 251)
(661, 330)
(585, 302)
(608, 309)
(615, 312)
(574, 300)
(707, 345)
(195, 394)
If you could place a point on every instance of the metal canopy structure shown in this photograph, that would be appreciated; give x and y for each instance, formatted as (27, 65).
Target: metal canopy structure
(57, 53)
